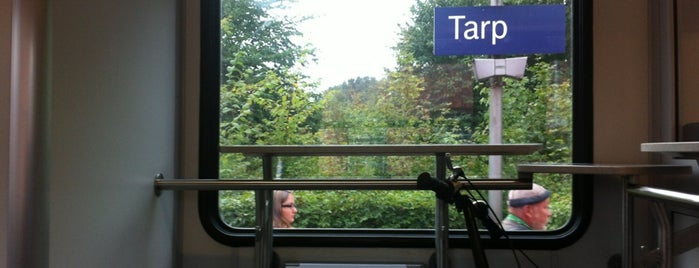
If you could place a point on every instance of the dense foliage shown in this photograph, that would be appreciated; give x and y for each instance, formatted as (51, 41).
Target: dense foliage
(265, 99)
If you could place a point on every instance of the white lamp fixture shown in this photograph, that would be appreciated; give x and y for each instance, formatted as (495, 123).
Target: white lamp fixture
(510, 67)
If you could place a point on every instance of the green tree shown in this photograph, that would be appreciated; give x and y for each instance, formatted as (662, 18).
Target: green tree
(255, 40)
(264, 99)
(448, 79)
(425, 99)
(536, 109)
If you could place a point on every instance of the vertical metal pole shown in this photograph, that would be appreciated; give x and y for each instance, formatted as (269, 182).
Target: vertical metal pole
(495, 161)
(28, 220)
(441, 217)
(264, 210)
(664, 233)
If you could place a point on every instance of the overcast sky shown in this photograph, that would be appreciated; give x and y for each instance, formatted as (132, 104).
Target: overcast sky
(352, 38)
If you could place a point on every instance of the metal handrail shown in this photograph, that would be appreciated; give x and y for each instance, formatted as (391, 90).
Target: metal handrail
(438, 150)
(336, 184)
(665, 195)
(263, 246)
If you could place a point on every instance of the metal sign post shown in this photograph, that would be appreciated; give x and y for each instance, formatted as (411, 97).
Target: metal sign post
(495, 69)
(498, 30)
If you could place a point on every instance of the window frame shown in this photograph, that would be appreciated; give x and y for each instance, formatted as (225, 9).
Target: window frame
(209, 154)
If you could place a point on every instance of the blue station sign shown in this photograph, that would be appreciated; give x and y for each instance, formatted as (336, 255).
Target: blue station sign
(499, 30)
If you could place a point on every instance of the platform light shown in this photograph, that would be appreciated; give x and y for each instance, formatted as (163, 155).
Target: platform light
(510, 67)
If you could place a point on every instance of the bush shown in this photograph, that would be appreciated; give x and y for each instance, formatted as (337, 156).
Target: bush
(376, 209)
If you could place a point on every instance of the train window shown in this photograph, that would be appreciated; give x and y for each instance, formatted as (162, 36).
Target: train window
(312, 72)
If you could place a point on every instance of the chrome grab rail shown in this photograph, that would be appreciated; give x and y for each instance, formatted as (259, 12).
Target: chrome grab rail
(438, 150)
(665, 195)
(374, 184)
(263, 244)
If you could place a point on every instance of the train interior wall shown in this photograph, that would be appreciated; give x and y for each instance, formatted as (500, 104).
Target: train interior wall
(121, 83)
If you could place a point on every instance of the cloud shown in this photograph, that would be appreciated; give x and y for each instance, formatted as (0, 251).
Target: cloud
(352, 38)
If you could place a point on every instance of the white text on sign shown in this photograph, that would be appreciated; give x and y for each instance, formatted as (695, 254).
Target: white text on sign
(474, 30)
